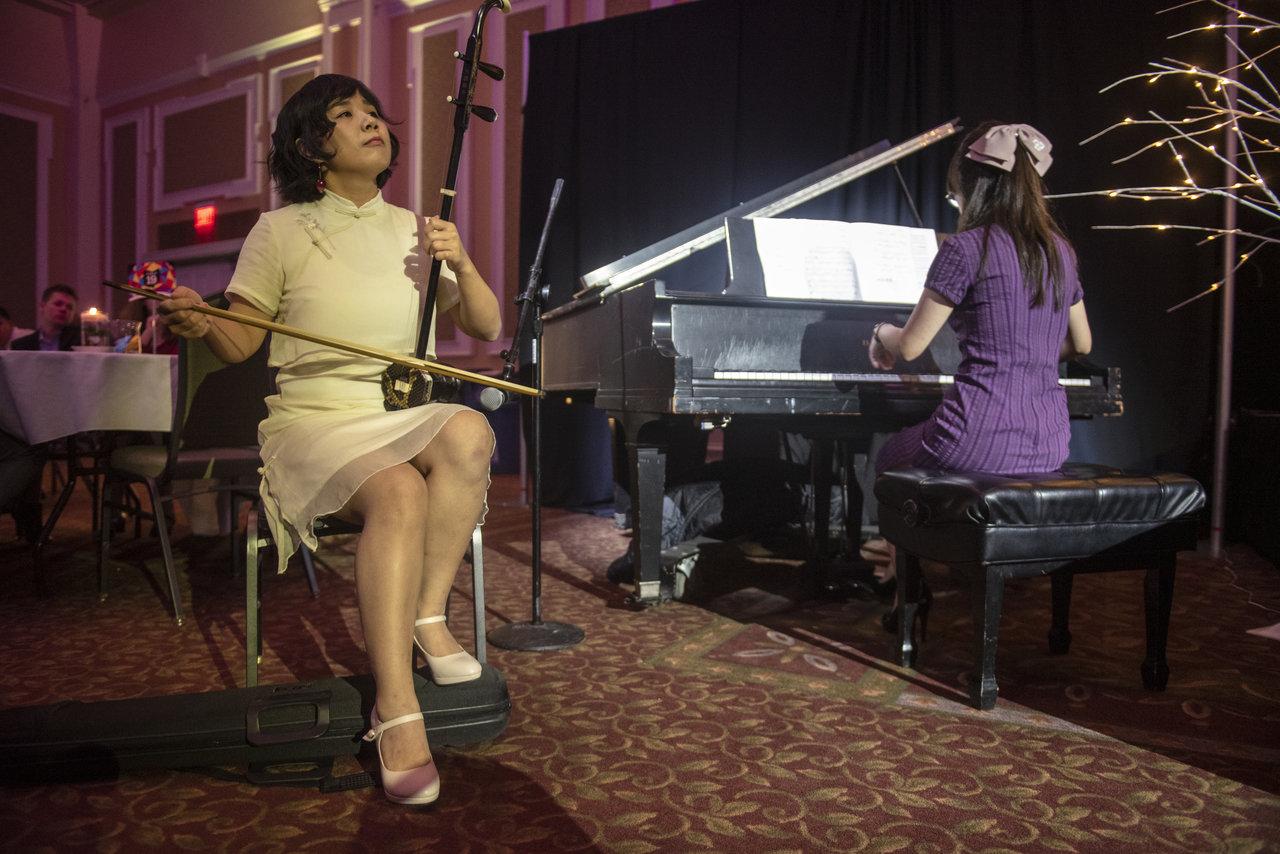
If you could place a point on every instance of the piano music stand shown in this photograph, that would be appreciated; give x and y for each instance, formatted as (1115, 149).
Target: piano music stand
(535, 635)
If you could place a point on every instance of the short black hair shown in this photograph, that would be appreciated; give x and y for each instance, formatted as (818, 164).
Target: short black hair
(5, 313)
(59, 289)
(304, 123)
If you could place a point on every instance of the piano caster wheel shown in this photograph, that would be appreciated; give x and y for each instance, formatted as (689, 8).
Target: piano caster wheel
(178, 620)
(635, 601)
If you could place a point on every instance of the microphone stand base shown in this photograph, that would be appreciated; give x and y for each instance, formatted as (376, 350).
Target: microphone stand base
(536, 637)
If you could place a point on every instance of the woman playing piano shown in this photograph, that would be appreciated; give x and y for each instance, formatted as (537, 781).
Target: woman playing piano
(1007, 283)
(340, 261)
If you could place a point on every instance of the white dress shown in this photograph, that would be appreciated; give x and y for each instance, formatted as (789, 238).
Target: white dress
(348, 272)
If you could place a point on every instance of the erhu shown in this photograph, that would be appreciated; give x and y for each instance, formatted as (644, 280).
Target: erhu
(402, 386)
(409, 364)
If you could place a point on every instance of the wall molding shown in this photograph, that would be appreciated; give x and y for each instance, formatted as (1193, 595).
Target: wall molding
(205, 67)
(44, 154)
(250, 181)
(23, 92)
(198, 251)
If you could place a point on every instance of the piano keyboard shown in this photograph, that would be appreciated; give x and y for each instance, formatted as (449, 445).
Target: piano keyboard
(831, 377)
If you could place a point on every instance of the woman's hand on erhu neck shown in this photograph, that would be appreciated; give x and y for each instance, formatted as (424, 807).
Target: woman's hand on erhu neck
(445, 244)
(477, 312)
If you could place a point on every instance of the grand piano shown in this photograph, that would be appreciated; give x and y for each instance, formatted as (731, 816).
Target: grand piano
(648, 355)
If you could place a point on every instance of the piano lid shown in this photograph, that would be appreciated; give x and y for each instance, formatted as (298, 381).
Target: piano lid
(643, 263)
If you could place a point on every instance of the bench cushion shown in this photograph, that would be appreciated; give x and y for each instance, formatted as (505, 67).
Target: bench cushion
(1080, 511)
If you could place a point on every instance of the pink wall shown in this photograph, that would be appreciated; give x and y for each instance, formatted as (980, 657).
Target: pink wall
(142, 60)
(151, 40)
(33, 52)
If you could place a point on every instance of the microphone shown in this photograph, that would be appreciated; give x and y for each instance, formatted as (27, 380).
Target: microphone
(491, 399)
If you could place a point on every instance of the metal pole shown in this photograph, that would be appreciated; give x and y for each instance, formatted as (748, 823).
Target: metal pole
(1222, 419)
(535, 356)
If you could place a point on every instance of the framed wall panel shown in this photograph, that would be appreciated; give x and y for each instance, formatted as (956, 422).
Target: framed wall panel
(26, 147)
(208, 146)
(282, 83)
(126, 141)
(433, 75)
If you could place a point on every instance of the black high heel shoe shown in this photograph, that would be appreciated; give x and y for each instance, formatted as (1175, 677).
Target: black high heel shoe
(889, 620)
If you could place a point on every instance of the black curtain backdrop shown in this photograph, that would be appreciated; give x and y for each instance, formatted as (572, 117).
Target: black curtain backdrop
(659, 120)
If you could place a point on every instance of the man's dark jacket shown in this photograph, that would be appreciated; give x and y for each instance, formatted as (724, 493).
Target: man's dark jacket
(70, 335)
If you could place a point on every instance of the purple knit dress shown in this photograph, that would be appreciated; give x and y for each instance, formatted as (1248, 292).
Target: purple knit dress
(1006, 413)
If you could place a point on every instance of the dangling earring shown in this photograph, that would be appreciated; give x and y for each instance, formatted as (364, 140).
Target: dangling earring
(320, 180)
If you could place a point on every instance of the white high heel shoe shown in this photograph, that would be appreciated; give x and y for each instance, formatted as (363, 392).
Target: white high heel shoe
(447, 669)
(420, 785)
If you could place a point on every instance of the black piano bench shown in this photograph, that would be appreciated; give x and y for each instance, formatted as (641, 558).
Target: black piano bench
(1084, 518)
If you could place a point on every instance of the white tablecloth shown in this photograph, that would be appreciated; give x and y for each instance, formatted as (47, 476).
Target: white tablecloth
(48, 395)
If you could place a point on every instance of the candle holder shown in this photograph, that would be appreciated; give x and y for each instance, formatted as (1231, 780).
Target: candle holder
(95, 329)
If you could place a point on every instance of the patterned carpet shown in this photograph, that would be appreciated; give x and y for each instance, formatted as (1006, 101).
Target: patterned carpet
(750, 720)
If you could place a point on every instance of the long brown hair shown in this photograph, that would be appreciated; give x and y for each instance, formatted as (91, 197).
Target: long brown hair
(1014, 201)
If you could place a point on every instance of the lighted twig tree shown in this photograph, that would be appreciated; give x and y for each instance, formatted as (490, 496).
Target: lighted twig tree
(1238, 105)
(1242, 100)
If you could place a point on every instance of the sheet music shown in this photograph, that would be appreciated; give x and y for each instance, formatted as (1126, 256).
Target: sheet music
(848, 261)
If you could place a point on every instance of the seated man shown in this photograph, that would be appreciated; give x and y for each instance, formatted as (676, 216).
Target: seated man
(58, 329)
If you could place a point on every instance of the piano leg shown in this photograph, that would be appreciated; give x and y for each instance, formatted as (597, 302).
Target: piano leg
(820, 477)
(648, 478)
(855, 579)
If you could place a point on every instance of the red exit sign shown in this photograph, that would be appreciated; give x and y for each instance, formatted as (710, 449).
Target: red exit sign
(205, 215)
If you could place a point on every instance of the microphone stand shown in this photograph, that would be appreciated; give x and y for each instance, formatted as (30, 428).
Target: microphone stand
(536, 635)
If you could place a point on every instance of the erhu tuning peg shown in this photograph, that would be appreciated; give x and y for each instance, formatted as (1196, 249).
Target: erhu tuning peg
(485, 114)
(488, 68)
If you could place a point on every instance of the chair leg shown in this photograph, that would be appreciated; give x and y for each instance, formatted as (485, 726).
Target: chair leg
(1059, 634)
(251, 601)
(909, 591)
(52, 519)
(1157, 592)
(104, 539)
(988, 599)
(309, 564)
(162, 531)
(228, 503)
(477, 592)
(131, 498)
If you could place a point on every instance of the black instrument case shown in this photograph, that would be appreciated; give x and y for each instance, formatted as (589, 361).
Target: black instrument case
(262, 727)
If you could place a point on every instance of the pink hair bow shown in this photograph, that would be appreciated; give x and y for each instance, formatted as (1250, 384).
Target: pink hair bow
(997, 147)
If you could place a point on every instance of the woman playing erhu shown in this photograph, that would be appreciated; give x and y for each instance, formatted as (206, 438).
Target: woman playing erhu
(341, 262)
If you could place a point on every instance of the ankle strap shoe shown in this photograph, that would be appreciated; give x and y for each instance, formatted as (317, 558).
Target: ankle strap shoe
(420, 785)
(447, 669)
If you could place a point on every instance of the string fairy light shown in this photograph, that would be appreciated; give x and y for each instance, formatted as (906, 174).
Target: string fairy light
(1244, 99)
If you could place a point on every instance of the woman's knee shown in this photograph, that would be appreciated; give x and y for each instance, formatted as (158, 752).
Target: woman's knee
(465, 441)
(397, 493)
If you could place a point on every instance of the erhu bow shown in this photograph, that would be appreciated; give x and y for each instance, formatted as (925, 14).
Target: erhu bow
(409, 387)
(437, 371)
